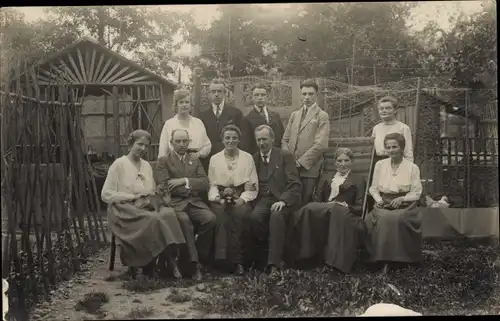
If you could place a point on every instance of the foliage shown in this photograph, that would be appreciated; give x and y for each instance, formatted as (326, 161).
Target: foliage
(92, 302)
(456, 277)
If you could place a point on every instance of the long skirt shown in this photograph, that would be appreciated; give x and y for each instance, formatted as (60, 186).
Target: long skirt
(394, 235)
(141, 234)
(329, 232)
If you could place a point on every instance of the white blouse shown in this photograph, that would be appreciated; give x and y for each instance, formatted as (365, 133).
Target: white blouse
(124, 181)
(381, 130)
(406, 179)
(244, 171)
(197, 134)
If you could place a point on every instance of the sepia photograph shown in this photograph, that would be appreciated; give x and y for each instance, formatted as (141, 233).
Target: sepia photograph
(267, 160)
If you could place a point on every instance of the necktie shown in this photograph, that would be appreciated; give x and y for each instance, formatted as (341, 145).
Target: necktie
(304, 113)
(217, 113)
(263, 114)
(265, 159)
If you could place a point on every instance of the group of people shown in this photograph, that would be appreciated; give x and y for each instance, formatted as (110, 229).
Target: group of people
(229, 188)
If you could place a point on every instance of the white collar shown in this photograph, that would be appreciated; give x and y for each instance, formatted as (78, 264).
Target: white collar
(181, 157)
(221, 105)
(268, 154)
(264, 109)
(338, 175)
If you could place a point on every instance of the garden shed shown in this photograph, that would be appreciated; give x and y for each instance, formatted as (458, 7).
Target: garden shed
(116, 95)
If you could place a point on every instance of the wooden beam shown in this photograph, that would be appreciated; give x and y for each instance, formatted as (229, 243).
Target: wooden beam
(296, 102)
(97, 69)
(103, 71)
(91, 67)
(113, 78)
(127, 76)
(116, 121)
(105, 79)
(62, 73)
(69, 71)
(134, 80)
(239, 100)
(75, 68)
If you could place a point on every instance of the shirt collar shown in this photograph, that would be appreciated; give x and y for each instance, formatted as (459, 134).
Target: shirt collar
(338, 175)
(221, 105)
(308, 108)
(264, 109)
(181, 157)
(268, 154)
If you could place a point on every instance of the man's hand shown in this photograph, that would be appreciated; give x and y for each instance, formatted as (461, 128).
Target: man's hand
(173, 183)
(239, 202)
(379, 204)
(396, 203)
(278, 206)
(298, 164)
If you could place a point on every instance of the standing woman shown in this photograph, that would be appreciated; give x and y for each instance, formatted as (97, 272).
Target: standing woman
(142, 233)
(387, 111)
(330, 229)
(231, 171)
(394, 225)
(200, 144)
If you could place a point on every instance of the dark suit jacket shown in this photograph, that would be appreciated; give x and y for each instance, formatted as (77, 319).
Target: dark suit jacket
(214, 127)
(352, 191)
(170, 167)
(284, 181)
(255, 119)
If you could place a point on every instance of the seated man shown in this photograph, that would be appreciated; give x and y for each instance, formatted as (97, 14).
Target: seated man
(186, 179)
(279, 195)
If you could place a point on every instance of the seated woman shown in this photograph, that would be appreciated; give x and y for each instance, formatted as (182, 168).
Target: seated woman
(141, 232)
(330, 229)
(200, 144)
(394, 225)
(233, 184)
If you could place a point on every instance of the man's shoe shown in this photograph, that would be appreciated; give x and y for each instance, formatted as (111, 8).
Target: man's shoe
(273, 270)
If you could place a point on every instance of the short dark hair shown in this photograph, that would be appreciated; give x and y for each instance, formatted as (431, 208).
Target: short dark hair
(262, 127)
(230, 127)
(260, 85)
(136, 135)
(309, 83)
(397, 137)
(178, 130)
(391, 99)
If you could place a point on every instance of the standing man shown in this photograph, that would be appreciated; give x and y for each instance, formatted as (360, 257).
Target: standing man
(218, 115)
(186, 180)
(279, 195)
(306, 137)
(261, 115)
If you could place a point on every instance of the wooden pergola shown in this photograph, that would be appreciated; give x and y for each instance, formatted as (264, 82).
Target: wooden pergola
(140, 98)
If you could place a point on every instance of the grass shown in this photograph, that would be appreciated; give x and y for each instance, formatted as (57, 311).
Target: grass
(140, 313)
(92, 302)
(143, 284)
(177, 296)
(456, 277)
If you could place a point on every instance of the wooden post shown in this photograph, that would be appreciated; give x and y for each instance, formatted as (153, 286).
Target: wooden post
(467, 155)
(196, 91)
(116, 121)
(321, 94)
(239, 99)
(296, 103)
(415, 124)
(166, 107)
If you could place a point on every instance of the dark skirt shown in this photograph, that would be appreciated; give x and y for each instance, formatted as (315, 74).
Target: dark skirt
(394, 235)
(229, 229)
(328, 232)
(141, 234)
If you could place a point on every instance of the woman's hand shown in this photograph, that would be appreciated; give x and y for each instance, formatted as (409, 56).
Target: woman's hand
(239, 202)
(396, 203)
(195, 155)
(379, 204)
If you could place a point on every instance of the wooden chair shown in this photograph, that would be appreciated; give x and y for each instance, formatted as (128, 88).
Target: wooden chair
(112, 252)
(366, 208)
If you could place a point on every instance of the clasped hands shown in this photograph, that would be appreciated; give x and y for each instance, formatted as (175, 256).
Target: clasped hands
(395, 203)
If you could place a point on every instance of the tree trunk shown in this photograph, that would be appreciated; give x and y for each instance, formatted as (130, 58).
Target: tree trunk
(102, 23)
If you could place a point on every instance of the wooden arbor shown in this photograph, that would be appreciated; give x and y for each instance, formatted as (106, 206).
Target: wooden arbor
(118, 95)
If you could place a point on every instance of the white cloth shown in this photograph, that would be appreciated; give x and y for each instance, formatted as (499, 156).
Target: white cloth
(5, 298)
(264, 110)
(197, 134)
(243, 172)
(388, 310)
(406, 179)
(381, 130)
(124, 181)
(337, 180)
(266, 157)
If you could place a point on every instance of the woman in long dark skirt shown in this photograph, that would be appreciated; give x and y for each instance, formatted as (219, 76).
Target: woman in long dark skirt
(330, 229)
(142, 233)
(233, 185)
(394, 225)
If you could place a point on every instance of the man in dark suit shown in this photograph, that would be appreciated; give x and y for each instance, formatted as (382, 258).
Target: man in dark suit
(218, 115)
(279, 195)
(261, 115)
(186, 180)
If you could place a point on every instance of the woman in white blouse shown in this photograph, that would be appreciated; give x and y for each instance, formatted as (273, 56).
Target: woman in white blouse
(200, 144)
(231, 171)
(394, 225)
(330, 229)
(387, 112)
(142, 233)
